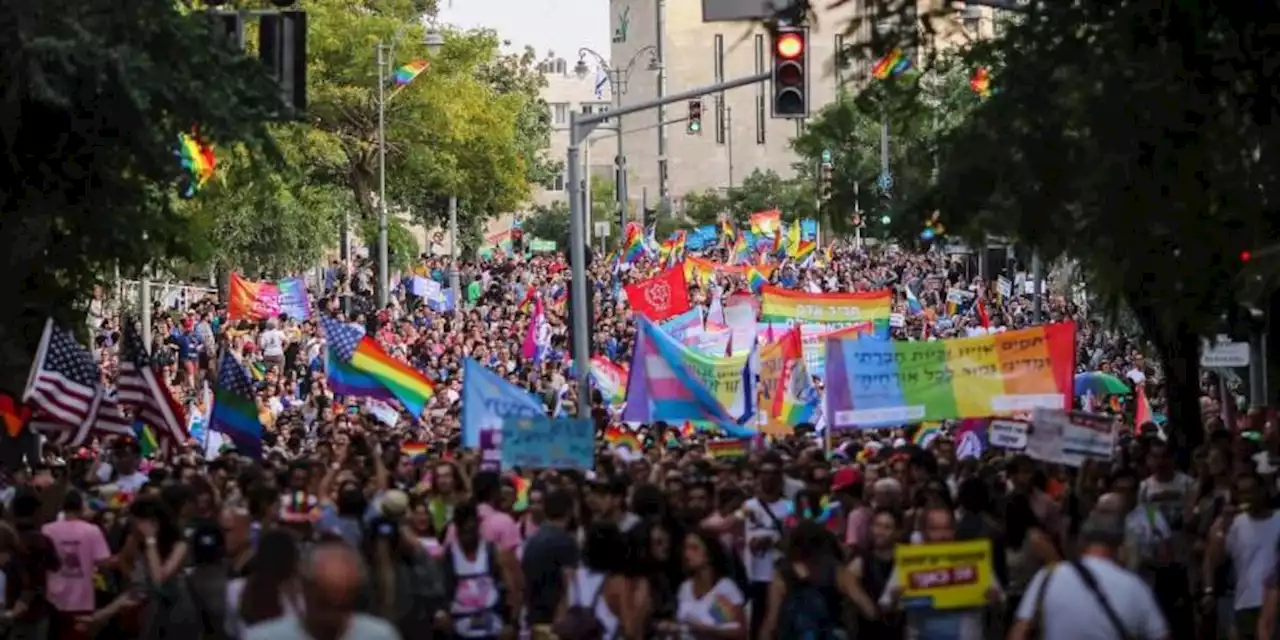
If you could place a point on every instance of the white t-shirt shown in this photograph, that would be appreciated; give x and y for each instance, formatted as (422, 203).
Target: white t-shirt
(761, 525)
(715, 607)
(1071, 612)
(1251, 543)
(272, 342)
(129, 484)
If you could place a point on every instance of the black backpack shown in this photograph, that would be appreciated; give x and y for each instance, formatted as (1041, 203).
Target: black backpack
(811, 608)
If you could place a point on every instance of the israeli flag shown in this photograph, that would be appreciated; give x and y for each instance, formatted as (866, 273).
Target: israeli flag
(602, 80)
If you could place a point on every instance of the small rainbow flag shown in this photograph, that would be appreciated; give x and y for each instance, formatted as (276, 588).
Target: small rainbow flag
(755, 280)
(892, 64)
(349, 345)
(522, 485)
(980, 82)
(197, 161)
(414, 450)
(725, 449)
(727, 230)
(404, 75)
(805, 249)
(722, 610)
(147, 443)
(633, 248)
(926, 434)
(619, 438)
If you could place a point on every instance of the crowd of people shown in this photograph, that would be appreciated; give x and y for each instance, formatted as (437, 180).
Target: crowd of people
(341, 530)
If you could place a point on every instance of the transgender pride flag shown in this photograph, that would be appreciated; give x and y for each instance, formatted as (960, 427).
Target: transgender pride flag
(662, 388)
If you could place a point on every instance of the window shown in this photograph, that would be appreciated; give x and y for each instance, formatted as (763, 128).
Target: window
(560, 112)
(602, 107)
(560, 66)
(760, 113)
(558, 184)
(588, 108)
(717, 62)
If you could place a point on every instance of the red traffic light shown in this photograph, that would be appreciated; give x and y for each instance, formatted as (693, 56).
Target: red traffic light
(1245, 256)
(789, 45)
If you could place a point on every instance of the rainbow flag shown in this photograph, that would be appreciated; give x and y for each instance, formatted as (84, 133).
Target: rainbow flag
(633, 246)
(414, 450)
(795, 401)
(926, 434)
(349, 381)
(522, 486)
(722, 610)
(610, 379)
(980, 82)
(803, 250)
(892, 64)
(876, 383)
(782, 305)
(350, 346)
(147, 443)
(619, 438)
(235, 414)
(756, 280)
(725, 449)
(741, 252)
(765, 223)
(727, 230)
(404, 75)
(197, 160)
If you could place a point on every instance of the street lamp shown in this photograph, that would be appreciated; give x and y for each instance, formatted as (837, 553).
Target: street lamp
(617, 79)
(433, 40)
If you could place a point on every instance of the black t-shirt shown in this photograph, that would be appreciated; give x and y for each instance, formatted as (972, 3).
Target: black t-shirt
(546, 555)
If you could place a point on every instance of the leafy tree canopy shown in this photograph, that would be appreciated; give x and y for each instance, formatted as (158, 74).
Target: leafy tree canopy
(95, 97)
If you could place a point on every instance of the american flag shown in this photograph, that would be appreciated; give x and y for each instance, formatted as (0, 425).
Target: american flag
(343, 338)
(142, 388)
(66, 393)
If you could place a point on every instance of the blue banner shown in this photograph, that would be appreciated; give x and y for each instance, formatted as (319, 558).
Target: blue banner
(487, 400)
(540, 443)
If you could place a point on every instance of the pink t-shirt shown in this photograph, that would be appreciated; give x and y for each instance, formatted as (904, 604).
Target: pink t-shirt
(495, 527)
(80, 546)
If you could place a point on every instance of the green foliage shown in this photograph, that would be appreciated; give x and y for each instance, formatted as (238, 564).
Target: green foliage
(277, 220)
(705, 207)
(470, 125)
(402, 247)
(548, 222)
(919, 109)
(95, 97)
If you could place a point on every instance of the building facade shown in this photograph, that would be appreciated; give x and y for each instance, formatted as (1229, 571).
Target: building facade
(566, 92)
(737, 135)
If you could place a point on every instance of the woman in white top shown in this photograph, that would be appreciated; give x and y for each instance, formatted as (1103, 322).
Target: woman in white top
(708, 603)
(600, 585)
(272, 589)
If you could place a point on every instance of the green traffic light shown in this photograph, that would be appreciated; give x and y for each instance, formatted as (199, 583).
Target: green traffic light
(884, 220)
(695, 126)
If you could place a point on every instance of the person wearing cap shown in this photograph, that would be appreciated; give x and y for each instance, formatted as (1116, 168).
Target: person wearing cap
(1092, 597)
(847, 486)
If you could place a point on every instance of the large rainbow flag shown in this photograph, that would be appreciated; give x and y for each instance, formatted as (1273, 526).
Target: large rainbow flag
(873, 383)
(784, 305)
(353, 348)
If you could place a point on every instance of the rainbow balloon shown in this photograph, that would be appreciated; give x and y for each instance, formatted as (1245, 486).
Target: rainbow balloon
(198, 162)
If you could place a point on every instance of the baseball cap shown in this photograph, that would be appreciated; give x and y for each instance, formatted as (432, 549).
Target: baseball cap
(845, 478)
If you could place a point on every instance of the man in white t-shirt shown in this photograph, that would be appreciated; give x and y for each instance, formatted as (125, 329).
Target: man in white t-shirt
(123, 471)
(272, 343)
(1063, 605)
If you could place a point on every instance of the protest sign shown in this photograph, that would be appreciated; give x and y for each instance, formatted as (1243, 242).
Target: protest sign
(543, 443)
(945, 575)
(1008, 434)
(1070, 438)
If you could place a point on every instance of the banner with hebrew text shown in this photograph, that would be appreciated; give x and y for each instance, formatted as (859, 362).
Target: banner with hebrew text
(873, 383)
(784, 305)
(259, 300)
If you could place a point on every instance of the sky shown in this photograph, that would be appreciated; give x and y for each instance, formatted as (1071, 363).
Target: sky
(557, 25)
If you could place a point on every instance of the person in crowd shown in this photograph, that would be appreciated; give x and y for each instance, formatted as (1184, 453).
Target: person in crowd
(550, 555)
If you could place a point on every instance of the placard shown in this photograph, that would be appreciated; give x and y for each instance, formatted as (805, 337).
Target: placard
(1008, 434)
(544, 443)
(1070, 438)
(944, 575)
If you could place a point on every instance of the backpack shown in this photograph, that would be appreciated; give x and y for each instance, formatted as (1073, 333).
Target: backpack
(580, 621)
(811, 609)
(451, 577)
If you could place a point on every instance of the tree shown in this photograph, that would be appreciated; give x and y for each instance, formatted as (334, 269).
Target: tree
(468, 126)
(402, 247)
(918, 109)
(1138, 137)
(764, 190)
(95, 97)
(277, 222)
(705, 207)
(548, 222)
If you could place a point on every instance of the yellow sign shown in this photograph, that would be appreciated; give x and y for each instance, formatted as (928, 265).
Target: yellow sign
(944, 575)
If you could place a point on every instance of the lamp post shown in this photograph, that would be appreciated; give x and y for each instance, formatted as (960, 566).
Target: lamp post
(617, 86)
(386, 51)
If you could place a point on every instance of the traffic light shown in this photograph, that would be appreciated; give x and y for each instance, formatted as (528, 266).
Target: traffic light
(826, 171)
(282, 48)
(695, 117)
(790, 72)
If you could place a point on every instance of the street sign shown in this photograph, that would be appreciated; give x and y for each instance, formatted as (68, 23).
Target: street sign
(602, 229)
(1224, 355)
(885, 181)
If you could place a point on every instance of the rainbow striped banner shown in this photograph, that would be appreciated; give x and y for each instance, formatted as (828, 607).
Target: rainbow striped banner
(873, 383)
(783, 305)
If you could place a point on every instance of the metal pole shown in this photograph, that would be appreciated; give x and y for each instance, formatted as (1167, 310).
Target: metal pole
(578, 262)
(383, 272)
(454, 281)
(728, 129)
(644, 206)
(1037, 291)
(144, 308)
(884, 148)
(586, 185)
(664, 194)
(857, 211)
(618, 85)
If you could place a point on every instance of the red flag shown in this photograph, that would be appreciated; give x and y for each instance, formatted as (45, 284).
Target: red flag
(1143, 414)
(660, 297)
(982, 315)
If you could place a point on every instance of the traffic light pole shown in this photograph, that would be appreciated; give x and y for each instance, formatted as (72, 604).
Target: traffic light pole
(580, 127)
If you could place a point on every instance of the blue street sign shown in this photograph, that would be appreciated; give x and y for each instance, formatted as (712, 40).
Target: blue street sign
(885, 181)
